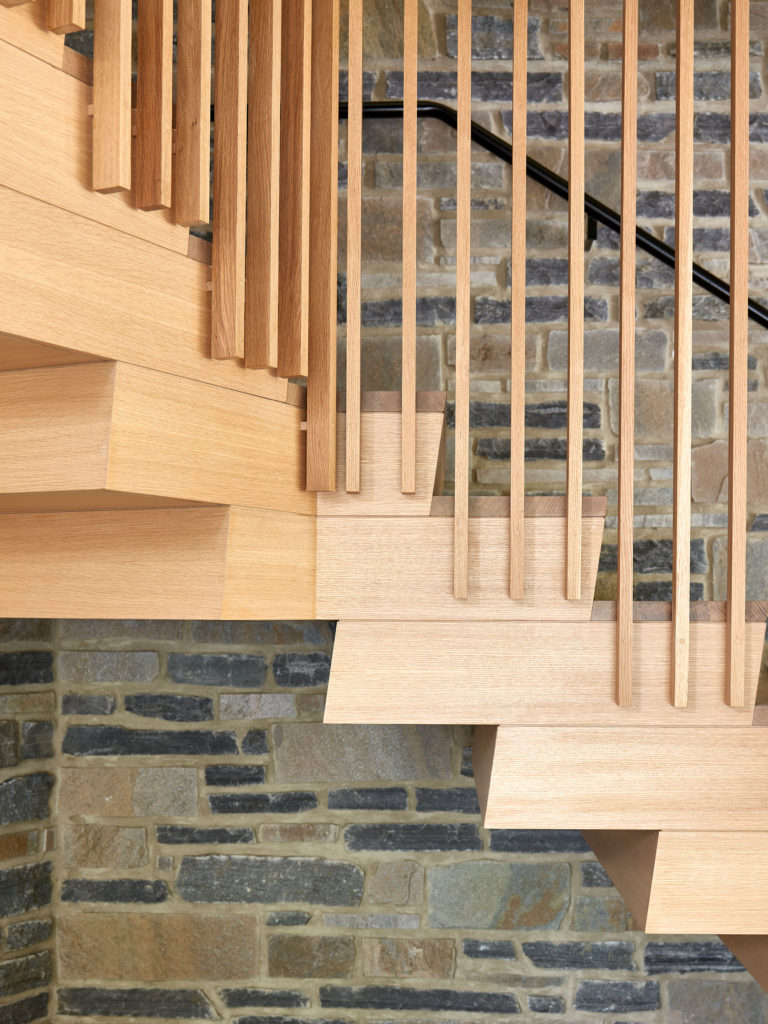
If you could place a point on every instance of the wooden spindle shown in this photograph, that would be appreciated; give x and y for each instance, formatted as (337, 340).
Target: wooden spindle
(517, 315)
(263, 177)
(625, 577)
(681, 548)
(66, 16)
(463, 248)
(154, 105)
(739, 350)
(575, 297)
(295, 143)
(354, 241)
(324, 186)
(192, 170)
(410, 185)
(112, 95)
(229, 180)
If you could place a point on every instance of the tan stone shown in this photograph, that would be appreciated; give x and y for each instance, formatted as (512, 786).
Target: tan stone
(27, 703)
(298, 832)
(399, 882)
(157, 947)
(408, 958)
(165, 791)
(311, 956)
(709, 472)
(14, 845)
(99, 790)
(105, 846)
(382, 239)
(383, 29)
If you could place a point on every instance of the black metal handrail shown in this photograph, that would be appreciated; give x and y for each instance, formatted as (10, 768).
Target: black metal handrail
(593, 208)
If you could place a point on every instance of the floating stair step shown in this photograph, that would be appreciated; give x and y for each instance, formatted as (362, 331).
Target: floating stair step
(626, 778)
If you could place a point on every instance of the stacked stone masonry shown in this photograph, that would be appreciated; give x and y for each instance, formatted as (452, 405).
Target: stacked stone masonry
(222, 855)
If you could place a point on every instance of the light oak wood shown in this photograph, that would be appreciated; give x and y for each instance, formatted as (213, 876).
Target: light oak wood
(410, 242)
(391, 401)
(321, 386)
(16, 354)
(575, 295)
(483, 748)
(66, 15)
(661, 611)
(263, 220)
(653, 778)
(379, 491)
(112, 95)
(401, 568)
(26, 27)
(627, 312)
(12, 3)
(88, 501)
(229, 179)
(517, 316)
(354, 246)
(534, 505)
(77, 65)
(739, 352)
(295, 154)
(192, 168)
(154, 105)
(421, 672)
(628, 857)
(681, 573)
(461, 567)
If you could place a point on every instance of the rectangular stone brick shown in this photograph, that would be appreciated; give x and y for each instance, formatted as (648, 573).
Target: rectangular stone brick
(255, 742)
(169, 707)
(239, 997)
(108, 666)
(398, 882)
(412, 837)
(368, 922)
(234, 774)
(27, 703)
(26, 1010)
(257, 705)
(262, 803)
(115, 740)
(16, 844)
(23, 934)
(288, 918)
(298, 832)
(311, 956)
(26, 630)
(498, 894)
(617, 996)
(248, 670)
(390, 798)
(398, 997)
(26, 668)
(121, 629)
(87, 704)
(36, 740)
(689, 957)
(26, 798)
(495, 949)
(181, 834)
(537, 841)
(25, 973)
(104, 846)
(408, 958)
(9, 744)
(581, 956)
(135, 1002)
(25, 888)
(456, 800)
(296, 668)
(216, 878)
(113, 890)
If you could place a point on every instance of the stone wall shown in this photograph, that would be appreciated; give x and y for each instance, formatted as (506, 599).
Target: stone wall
(223, 855)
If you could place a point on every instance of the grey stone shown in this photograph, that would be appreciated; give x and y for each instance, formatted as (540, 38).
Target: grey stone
(108, 666)
(581, 956)
(183, 834)
(398, 997)
(167, 790)
(379, 798)
(388, 922)
(88, 704)
(537, 841)
(36, 740)
(9, 743)
(255, 742)
(234, 774)
(26, 1010)
(26, 630)
(121, 629)
(617, 996)
(546, 1004)
(238, 997)
(494, 949)
(257, 705)
(25, 888)
(26, 668)
(702, 1001)
(23, 934)
(113, 890)
(757, 566)
(455, 800)
(707, 85)
(169, 707)
(487, 86)
(430, 311)
(594, 875)
(656, 204)
(216, 878)
(26, 972)
(538, 309)
(601, 350)
(247, 670)
(492, 38)
(287, 918)
(295, 668)
(262, 803)
(114, 740)
(652, 556)
(369, 81)
(412, 837)
(689, 957)
(135, 1002)
(497, 894)
(25, 798)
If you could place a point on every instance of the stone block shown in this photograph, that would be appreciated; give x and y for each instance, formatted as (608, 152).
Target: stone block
(239, 997)
(184, 834)
(262, 803)
(600, 913)
(381, 798)
(9, 744)
(121, 629)
(176, 1003)
(412, 837)
(296, 668)
(88, 704)
(16, 844)
(581, 956)
(26, 972)
(701, 1001)
(601, 350)
(108, 666)
(36, 740)
(288, 918)
(25, 798)
(257, 705)
(98, 791)
(234, 774)
(169, 707)
(27, 1010)
(398, 997)
(164, 791)
(494, 894)
(113, 890)
(23, 934)
(617, 996)
(26, 630)
(104, 846)
(689, 957)
(298, 832)
(709, 472)
(310, 956)
(368, 922)
(456, 800)
(25, 888)
(26, 668)
(757, 567)
(492, 37)
(397, 882)
(246, 670)
(116, 741)
(507, 840)
(255, 742)
(216, 878)
(489, 949)
(27, 703)
(408, 958)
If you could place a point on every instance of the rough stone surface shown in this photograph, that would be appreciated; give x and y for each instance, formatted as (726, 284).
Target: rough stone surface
(25, 973)
(389, 997)
(113, 890)
(494, 894)
(25, 798)
(408, 958)
(25, 888)
(257, 705)
(701, 1001)
(107, 666)
(26, 668)
(114, 740)
(104, 846)
(242, 879)
(135, 1002)
(165, 791)
(617, 996)
(315, 956)
(398, 882)
(246, 670)
(169, 707)
(26, 1010)
(24, 934)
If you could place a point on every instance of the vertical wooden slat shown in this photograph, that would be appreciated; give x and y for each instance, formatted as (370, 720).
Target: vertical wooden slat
(192, 170)
(463, 248)
(681, 547)
(112, 95)
(517, 315)
(263, 213)
(154, 105)
(66, 15)
(737, 427)
(324, 187)
(295, 156)
(229, 149)
(575, 297)
(625, 581)
(410, 185)
(354, 241)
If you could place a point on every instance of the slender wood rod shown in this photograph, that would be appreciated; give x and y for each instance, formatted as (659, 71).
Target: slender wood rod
(112, 95)
(154, 105)
(354, 242)
(192, 171)
(410, 184)
(66, 16)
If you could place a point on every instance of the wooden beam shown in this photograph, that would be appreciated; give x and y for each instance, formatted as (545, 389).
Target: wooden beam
(112, 95)
(154, 105)
(410, 241)
(354, 244)
(229, 179)
(263, 215)
(681, 569)
(192, 170)
(65, 15)
(26, 27)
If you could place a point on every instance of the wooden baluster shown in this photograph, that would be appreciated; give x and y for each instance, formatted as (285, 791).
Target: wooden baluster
(112, 95)
(263, 176)
(295, 129)
(681, 570)
(463, 248)
(354, 241)
(575, 297)
(66, 16)
(192, 170)
(229, 149)
(154, 105)
(324, 186)
(625, 580)
(739, 347)
(517, 316)
(410, 186)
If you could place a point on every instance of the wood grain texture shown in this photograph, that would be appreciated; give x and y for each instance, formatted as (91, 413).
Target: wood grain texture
(324, 173)
(517, 316)
(295, 155)
(263, 214)
(88, 501)
(391, 401)
(112, 95)
(16, 354)
(567, 778)
(681, 572)
(410, 241)
(575, 295)
(483, 745)
(461, 567)
(154, 105)
(448, 672)
(192, 168)
(229, 179)
(26, 27)
(534, 505)
(66, 15)
(401, 568)
(159, 298)
(628, 857)
(354, 246)
(379, 491)
(627, 312)
(661, 611)
(11, 3)
(739, 352)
